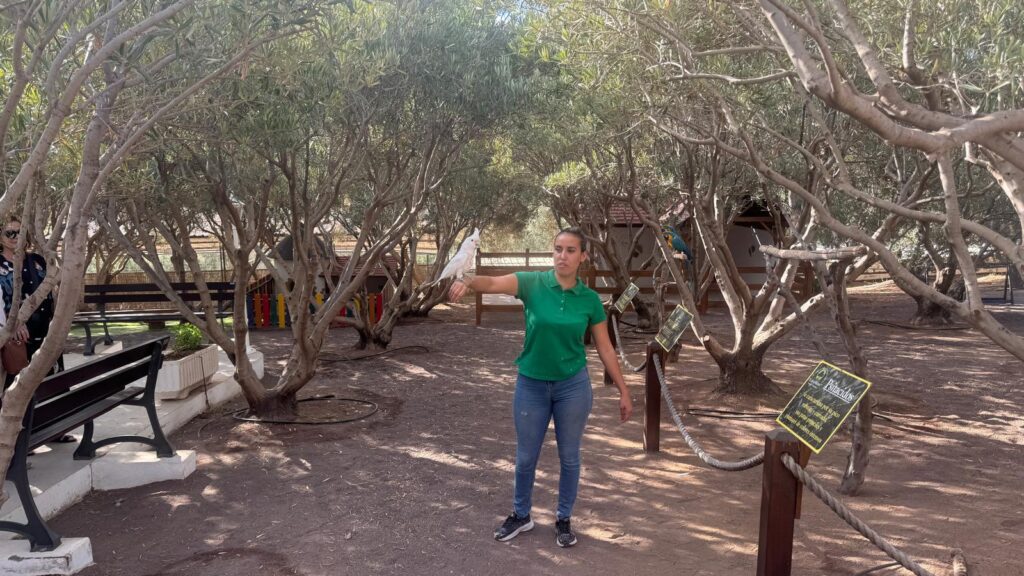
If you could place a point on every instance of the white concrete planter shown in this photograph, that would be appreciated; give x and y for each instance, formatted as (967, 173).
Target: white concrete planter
(178, 378)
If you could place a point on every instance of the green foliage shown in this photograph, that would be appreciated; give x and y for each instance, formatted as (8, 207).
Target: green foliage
(518, 97)
(975, 45)
(483, 189)
(187, 338)
(535, 235)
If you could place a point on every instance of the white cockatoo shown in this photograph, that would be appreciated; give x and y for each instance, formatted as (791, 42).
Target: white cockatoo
(463, 260)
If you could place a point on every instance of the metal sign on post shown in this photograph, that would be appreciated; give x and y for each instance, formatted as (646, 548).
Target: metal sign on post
(626, 297)
(674, 327)
(821, 405)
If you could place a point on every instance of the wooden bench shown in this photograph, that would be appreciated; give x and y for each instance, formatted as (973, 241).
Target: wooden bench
(104, 295)
(1012, 281)
(74, 398)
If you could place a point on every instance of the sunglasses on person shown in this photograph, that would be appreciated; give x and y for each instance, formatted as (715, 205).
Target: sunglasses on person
(12, 234)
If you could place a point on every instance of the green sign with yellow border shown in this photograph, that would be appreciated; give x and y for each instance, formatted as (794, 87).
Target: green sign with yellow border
(673, 327)
(626, 297)
(821, 405)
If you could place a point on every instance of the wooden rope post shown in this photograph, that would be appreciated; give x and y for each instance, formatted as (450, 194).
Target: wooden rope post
(613, 316)
(803, 461)
(652, 399)
(588, 280)
(780, 494)
(478, 298)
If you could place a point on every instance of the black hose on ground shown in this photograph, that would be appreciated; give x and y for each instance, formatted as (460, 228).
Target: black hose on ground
(237, 414)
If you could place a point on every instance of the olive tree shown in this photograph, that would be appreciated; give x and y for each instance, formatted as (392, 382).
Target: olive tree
(83, 70)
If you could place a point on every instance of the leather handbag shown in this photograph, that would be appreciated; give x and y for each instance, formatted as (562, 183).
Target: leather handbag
(15, 356)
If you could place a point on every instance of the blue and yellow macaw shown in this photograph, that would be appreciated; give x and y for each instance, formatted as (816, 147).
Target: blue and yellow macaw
(676, 241)
(679, 245)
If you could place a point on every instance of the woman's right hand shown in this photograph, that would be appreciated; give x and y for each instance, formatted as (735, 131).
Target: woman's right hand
(457, 291)
(625, 407)
(21, 334)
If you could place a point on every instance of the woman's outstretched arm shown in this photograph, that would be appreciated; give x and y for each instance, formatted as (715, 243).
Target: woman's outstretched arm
(507, 284)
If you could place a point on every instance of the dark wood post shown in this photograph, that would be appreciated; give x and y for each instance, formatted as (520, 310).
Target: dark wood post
(613, 316)
(652, 400)
(779, 496)
(805, 458)
(588, 280)
(478, 298)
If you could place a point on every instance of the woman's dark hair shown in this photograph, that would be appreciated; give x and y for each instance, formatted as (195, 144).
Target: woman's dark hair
(575, 231)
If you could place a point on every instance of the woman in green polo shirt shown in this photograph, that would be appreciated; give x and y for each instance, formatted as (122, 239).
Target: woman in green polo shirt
(553, 381)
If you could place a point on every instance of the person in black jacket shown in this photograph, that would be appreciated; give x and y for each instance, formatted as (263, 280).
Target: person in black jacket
(33, 271)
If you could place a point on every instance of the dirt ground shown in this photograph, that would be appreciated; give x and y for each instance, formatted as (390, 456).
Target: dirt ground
(418, 487)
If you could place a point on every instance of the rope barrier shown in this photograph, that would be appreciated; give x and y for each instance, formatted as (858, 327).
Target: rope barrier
(802, 475)
(847, 515)
(728, 466)
(622, 354)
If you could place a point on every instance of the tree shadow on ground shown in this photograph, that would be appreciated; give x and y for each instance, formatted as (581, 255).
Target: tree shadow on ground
(419, 487)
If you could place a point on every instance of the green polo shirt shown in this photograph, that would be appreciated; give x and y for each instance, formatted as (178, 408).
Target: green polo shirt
(556, 321)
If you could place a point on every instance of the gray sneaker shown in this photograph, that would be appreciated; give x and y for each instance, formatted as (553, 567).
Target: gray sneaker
(512, 526)
(565, 536)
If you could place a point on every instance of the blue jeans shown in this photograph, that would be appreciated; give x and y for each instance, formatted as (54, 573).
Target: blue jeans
(533, 405)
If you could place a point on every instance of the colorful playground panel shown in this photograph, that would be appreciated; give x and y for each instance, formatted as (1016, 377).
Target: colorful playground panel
(266, 310)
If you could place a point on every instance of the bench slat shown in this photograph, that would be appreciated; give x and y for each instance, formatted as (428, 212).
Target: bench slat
(62, 405)
(136, 297)
(103, 294)
(57, 429)
(137, 316)
(176, 286)
(90, 316)
(63, 381)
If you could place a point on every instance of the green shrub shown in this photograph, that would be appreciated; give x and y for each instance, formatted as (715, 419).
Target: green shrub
(187, 338)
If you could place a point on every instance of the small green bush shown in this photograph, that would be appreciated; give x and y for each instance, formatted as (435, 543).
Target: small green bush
(187, 338)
